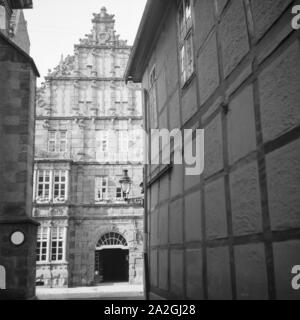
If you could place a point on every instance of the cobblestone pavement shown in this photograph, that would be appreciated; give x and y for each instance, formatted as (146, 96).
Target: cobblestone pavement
(114, 291)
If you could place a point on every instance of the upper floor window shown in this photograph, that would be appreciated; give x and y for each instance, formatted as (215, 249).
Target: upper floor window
(107, 189)
(119, 194)
(153, 98)
(186, 41)
(60, 185)
(57, 142)
(43, 184)
(101, 188)
(51, 185)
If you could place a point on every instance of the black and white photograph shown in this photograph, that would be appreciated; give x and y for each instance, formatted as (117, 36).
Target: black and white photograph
(149, 151)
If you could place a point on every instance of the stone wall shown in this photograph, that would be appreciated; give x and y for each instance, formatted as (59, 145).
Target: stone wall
(85, 233)
(17, 90)
(232, 233)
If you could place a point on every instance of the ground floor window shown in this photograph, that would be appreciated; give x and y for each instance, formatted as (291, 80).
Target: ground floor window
(2, 278)
(57, 244)
(42, 245)
(51, 244)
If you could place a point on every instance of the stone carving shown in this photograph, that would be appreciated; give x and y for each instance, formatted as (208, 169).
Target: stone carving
(105, 36)
(65, 68)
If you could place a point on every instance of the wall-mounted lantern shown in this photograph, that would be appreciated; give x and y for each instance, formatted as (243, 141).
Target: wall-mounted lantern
(126, 184)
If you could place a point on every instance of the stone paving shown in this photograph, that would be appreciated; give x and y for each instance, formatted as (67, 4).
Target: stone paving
(113, 291)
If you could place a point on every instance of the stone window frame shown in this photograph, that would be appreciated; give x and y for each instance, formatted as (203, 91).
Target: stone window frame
(50, 184)
(186, 47)
(58, 241)
(43, 236)
(59, 185)
(43, 185)
(2, 278)
(57, 139)
(54, 238)
(119, 194)
(104, 144)
(101, 189)
(112, 193)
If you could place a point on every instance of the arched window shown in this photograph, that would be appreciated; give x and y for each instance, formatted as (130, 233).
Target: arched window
(2, 278)
(111, 239)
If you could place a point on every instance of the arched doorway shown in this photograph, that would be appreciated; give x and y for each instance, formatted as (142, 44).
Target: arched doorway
(112, 259)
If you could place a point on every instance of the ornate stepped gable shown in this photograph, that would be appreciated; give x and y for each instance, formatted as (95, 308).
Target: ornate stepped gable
(103, 35)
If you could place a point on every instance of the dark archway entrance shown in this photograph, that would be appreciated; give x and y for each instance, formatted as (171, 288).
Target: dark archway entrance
(112, 265)
(111, 259)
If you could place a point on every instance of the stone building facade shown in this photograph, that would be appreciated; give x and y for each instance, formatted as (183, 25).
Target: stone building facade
(17, 109)
(230, 67)
(88, 131)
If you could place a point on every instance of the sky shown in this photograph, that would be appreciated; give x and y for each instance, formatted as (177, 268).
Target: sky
(54, 26)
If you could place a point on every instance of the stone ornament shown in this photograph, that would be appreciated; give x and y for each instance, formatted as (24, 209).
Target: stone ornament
(17, 238)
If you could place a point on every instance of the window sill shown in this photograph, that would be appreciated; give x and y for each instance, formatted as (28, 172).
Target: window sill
(51, 202)
(47, 263)
(109, 202)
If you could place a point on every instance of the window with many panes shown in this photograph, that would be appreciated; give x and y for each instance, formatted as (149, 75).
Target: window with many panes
(42, 250)
(52, 142)
(51, 244)
(57, 244)
(57, 141)
(186, 41)
(119, 194)
(153, 98)
(108, 189)
(43, 185)
(51, 185)
(101, 188)
(104, 143)
(60, 178)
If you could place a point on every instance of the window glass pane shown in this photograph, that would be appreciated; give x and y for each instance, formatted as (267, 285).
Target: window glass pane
(188, 11)
(183, 68)
(51, 146)
(186, 50)
(63, 135)
(181, 21)
(189, 56)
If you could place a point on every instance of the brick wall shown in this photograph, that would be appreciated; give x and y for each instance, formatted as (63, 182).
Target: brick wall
(233, 233)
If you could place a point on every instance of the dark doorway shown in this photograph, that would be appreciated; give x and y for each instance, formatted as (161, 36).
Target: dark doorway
(112, 265)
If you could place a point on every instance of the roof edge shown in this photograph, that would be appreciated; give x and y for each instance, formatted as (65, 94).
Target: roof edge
(151, 20)
(22, 52)
(21, 4)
